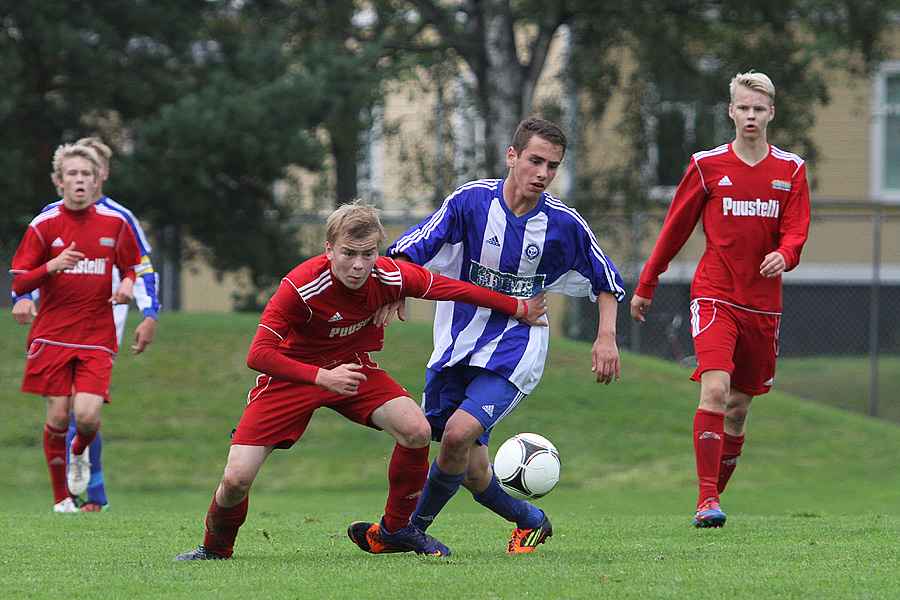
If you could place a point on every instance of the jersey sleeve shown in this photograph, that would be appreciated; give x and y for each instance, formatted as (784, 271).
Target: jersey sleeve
(589, 271)
(421, 283)
(266, 357)
(146, 285)
(794, 227)
(128, 254)
(424, 242)
(284, 310)
(28, 265)
(682, 218)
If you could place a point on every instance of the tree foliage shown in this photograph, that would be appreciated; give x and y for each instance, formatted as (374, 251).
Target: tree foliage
(67, 66)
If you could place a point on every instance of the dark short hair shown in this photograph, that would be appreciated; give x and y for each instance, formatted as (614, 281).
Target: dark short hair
(543, 129)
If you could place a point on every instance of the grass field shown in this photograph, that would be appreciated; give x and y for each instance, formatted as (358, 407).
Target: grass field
(812, 510)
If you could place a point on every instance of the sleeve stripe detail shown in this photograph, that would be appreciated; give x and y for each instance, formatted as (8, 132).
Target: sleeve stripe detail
(555, 204)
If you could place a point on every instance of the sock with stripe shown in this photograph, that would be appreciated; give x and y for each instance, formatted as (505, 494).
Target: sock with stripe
(55, 452)
(731, 454)
(439, 488)
(407, 472)
(709, 429)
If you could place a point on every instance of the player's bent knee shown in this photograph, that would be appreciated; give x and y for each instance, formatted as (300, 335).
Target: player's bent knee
(235, 486)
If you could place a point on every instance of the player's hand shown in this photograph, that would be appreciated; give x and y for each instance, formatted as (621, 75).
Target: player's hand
(773, 265)
(124, 293)
(143, 334)
(537, 308)
(639, 307)
(342, 379)
(24, 311)
(66, 259)
(386, 312)
(605, 358)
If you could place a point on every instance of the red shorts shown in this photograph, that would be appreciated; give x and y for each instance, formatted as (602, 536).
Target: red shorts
(54, 370)
(278, 411)
(737, 340)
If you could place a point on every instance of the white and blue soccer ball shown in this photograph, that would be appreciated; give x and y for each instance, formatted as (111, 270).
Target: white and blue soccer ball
(527, 466)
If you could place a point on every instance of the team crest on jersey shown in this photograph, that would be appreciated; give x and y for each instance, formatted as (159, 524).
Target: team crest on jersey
(107, 241)
(779, 184)
(532, 251)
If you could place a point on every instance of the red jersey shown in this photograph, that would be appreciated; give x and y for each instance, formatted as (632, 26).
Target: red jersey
(75, 308)
(316, 320)
(748, 212)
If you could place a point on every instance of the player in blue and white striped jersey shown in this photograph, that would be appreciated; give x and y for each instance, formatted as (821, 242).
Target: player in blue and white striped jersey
(511, 236)
(145, 297)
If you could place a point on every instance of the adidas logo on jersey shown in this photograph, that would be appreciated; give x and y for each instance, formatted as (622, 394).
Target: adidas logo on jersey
(337, 317)
(489, 409)
(58, 243)
(725, 181)
(494, 242)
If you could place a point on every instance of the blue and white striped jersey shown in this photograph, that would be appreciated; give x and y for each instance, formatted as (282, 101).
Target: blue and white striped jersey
(475, 237)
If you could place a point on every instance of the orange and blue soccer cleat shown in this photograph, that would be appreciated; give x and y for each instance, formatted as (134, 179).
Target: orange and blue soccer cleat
(408, 539)
(365, 535)
(525, 540)
(709, 514)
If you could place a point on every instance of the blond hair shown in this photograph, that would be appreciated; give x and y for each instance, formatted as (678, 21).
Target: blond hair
(355, 220)
(103, 151)
(66, 151)
(758, 82)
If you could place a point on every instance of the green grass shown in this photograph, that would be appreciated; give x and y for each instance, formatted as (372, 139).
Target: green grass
(843, 382)
(812, 508)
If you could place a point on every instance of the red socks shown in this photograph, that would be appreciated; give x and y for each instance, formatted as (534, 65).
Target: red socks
(83, 440)
(709, 431)
(222, 526)
(55, 452)
(731, 453)
(406, 477)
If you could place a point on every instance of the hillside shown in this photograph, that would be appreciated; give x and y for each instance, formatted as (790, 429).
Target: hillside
(626, 447)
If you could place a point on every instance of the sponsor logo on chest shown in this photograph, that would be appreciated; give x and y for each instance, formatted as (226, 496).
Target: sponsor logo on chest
(340, 332)
(751, 208)
(88, 266)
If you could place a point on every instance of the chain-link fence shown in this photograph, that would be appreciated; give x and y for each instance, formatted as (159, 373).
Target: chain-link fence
(840, 334)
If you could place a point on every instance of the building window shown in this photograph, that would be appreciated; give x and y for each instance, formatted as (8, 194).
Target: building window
(884, 151)
(675, 128)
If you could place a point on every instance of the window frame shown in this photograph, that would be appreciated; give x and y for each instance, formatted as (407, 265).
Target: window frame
(879, 111)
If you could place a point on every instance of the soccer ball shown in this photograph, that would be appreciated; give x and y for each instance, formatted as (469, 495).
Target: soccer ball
(527, 466)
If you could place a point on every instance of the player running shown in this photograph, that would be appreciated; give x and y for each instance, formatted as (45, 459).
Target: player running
(69, 253)
(145, 297)
(754, 202)
(313, 349)
(508, 235)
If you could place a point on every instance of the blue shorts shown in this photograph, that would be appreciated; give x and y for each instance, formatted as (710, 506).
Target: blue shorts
(484, 394)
